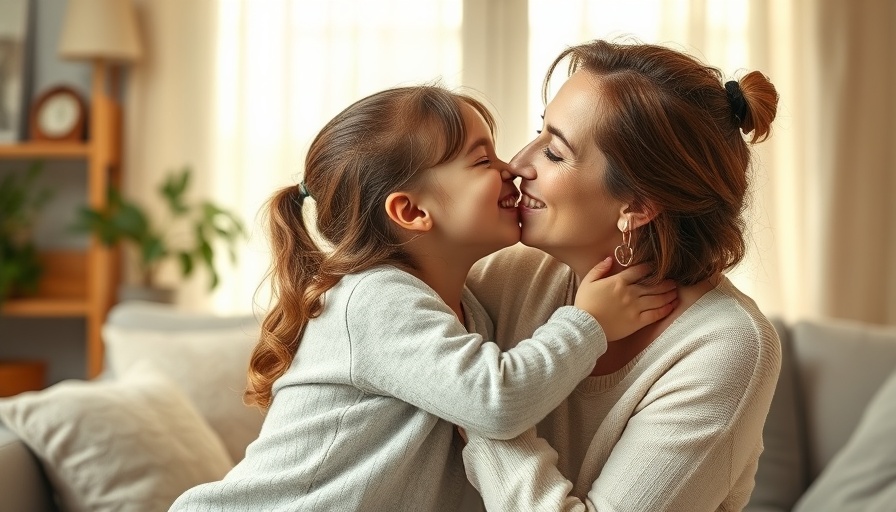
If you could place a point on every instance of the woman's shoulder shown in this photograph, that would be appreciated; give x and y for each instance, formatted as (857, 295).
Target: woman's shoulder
(518, 269)
(517, 258)
(728, 321)
(520, 287)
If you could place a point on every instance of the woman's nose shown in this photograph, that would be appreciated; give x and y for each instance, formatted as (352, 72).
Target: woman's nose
(520, 165)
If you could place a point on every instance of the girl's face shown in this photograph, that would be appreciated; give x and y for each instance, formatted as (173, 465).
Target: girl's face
(565, 209)
(472, 198)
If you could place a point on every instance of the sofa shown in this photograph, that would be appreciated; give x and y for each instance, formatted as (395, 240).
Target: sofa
(828, 438)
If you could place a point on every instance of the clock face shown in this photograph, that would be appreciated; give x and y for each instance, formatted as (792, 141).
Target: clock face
(58, 115)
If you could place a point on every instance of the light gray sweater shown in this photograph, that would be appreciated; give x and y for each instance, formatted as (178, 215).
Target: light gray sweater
(677, 429)
(363, 418)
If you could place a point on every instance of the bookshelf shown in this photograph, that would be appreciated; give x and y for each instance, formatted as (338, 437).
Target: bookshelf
(79, 283)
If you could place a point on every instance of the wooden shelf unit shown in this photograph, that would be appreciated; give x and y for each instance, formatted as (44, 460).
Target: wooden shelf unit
(80, 283)
(45, 150)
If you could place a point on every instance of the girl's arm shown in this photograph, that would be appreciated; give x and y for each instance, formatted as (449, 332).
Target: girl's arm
(407, 343)
(694, 437)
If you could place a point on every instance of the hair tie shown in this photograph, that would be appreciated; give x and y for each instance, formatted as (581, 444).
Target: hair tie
(303, 193)
(737, 101)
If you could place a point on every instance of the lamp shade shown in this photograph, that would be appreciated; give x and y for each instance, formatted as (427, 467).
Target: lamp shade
(100, 29)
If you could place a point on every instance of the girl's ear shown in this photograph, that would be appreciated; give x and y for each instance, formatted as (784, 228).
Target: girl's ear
(636, 216)
(404, 211)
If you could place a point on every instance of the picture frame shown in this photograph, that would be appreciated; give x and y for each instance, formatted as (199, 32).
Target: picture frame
(15, 46)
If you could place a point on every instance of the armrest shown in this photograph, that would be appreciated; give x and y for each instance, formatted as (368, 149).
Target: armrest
(23, 485)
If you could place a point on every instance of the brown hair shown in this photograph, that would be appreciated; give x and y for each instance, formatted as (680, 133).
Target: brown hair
(674, 146)
(376, 146)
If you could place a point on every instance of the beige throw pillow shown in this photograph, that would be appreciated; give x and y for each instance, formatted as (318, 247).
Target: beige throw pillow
(133, 444)
(209, 365)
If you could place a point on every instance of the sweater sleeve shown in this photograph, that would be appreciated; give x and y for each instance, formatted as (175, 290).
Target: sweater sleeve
(689, 444)
(407, 343)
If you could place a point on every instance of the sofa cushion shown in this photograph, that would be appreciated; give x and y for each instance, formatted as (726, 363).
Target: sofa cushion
(209, 365)
(781, 476)
(862, 476)
(135, 443)
(842, 365)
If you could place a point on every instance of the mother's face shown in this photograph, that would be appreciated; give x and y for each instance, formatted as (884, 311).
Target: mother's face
(565, 209)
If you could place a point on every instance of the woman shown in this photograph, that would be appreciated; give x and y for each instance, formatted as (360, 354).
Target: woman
(642, 157)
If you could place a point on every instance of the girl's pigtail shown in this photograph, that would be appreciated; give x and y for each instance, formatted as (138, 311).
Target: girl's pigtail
(294, 275)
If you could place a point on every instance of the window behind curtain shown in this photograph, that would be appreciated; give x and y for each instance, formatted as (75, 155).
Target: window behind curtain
(284, 68)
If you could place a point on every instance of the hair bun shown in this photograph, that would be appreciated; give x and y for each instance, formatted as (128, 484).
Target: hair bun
(759, 100)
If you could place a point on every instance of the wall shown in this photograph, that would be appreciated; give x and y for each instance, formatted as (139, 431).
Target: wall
(58, 341)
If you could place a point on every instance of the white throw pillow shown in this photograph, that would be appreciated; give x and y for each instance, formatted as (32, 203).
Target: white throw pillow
(209, 365)
(130, 444)
(862, 475)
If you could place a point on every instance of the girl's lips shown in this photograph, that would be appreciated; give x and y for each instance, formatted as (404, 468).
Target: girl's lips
(509, 200)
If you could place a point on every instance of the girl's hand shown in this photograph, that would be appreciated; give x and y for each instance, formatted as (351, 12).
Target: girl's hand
(463, 433)
(619, 304)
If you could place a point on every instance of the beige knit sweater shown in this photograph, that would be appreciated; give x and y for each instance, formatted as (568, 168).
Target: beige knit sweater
(678, 429)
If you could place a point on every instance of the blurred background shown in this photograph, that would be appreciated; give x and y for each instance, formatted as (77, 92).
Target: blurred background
(237, 89)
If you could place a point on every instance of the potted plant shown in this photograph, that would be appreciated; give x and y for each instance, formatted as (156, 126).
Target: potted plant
(20, 201)
(191, 233)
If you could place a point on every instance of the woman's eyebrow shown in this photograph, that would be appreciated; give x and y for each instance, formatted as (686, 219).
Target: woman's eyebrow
(557, 133)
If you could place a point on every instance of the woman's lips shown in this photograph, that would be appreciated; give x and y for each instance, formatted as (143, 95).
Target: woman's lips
(530, 202)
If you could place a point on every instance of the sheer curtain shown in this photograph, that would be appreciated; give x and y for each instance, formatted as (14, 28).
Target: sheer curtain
(284, 68)
(239, 88)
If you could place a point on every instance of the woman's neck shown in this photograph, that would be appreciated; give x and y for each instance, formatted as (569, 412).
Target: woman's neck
(581, 262)
(621, 352)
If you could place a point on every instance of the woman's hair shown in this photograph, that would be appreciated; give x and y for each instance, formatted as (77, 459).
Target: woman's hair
(673, 136)
(376, 146)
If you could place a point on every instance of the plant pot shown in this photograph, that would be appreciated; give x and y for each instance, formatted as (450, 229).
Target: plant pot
(132, 292)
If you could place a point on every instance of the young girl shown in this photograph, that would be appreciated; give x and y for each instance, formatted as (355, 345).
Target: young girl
(374, 348)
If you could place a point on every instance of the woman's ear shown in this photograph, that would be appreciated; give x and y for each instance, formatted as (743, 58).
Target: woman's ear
(404, 211)
(635, 216)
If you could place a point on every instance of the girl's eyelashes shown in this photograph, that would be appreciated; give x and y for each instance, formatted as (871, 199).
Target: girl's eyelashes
(550, 155)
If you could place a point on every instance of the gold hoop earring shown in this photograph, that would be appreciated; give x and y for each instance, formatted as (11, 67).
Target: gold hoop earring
(625, 252)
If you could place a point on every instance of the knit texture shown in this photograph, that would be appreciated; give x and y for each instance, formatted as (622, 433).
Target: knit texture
(363, 419)
(677, 429)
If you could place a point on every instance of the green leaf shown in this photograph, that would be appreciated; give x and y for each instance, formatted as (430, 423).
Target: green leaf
(173, 190)
(152, 250)
(186, 263)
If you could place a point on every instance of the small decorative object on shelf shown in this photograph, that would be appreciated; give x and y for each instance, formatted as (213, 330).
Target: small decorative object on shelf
(189, 233)
(58, 114)
(21, 198)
